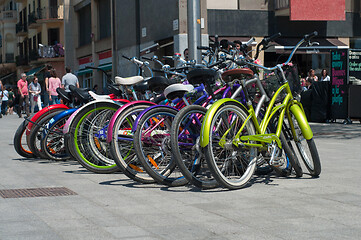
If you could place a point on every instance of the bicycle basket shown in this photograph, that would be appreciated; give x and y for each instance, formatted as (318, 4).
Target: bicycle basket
(273, 80)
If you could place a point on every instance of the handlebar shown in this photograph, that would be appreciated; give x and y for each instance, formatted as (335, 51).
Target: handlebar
(267, 40)
(279, 66)
(250, 41)
(308, 37)
(128, 58)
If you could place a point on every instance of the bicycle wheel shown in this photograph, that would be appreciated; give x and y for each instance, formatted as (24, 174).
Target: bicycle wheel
(88, 137)
(34, 139)
(231, 166)
(186, 150)
(20, 145)
(306, 150)
(286, 158)
(121, 146)
(52, 142)
(152, 146)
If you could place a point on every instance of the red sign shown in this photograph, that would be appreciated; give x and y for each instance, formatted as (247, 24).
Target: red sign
(317, 10)
(104, 55)
(85, 60)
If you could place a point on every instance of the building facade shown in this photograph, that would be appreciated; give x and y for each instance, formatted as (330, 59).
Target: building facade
(40, 37)
(88, 31)
(100, 32)
(8, 20)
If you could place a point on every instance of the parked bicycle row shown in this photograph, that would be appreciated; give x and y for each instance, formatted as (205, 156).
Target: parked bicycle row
(211, 124)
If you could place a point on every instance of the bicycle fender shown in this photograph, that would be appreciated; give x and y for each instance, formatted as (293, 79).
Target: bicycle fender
(204, 141)
(40, 114)
(302, 121)
(135, 125)
(61, 115)
(119, 111)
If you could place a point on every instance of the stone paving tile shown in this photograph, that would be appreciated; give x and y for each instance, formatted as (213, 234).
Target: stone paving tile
(114, 207)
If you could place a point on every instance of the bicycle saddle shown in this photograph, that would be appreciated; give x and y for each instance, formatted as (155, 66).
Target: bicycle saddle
(141, 87)
(99, 97)
(159, 83)
(238, 73)
(66, 96)
(177, 90)
(83, 94)
(129, 80)
(202, 75)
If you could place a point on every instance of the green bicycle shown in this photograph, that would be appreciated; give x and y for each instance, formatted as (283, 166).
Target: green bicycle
(234, 140)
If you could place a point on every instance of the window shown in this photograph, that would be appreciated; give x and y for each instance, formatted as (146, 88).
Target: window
(53, 36)
(34, 43)
(39, 38)
(84, 17)
(88, 80)
(104, 19)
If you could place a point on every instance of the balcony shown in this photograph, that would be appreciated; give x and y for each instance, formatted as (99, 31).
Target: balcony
(8, 16)
(47, 53)
(51, 14)
(21, 60)
(32, 20)
(282, 7)
(21, 29)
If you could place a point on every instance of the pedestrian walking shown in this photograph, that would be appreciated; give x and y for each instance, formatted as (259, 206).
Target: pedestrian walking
(24, 95)
(47, 76)
(324, 76)
(35, 90)
(54, 83)
(69, 79)
(11, 102)
(4, 103)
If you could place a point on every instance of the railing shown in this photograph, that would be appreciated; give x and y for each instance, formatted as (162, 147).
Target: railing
(9, 57)
(51, 51)
(32, 18)
(20, 27)
(56, 12)
(21, 60)
(8, 15)
(281, 4)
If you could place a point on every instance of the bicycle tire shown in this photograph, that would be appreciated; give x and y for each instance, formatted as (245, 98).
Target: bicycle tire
(35, 135)
(122, 147)
(234, 172)
(81, 137)
(185, 132)
(307, 150)
(20, 145)
(153, 150)
(54, 147)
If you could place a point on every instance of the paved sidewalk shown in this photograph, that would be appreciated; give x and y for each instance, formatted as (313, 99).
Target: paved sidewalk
(113, 207)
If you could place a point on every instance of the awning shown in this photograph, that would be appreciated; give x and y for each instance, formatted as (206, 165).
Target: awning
(106, 66)
(34, 71)
(84, 71)
(283, 45)
(2, 78)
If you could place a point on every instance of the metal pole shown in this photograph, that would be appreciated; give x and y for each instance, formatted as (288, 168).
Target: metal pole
(194, 29)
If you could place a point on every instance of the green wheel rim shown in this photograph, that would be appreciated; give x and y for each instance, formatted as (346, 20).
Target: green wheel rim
(76, 139)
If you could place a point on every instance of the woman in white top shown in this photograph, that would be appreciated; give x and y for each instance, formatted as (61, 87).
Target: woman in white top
(35, 90)
(324, 76)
